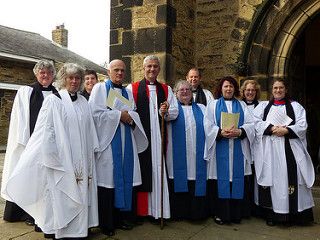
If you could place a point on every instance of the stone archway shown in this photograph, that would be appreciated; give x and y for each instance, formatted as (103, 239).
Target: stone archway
(274, 35)
(286, 39)
(275, 50)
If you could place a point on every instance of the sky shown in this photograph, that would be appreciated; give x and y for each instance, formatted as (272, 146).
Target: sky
(87, 22)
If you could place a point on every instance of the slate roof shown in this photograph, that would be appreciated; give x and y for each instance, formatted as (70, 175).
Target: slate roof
(30, 44)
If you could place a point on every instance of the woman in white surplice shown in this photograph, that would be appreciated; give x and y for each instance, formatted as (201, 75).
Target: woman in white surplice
(250, 93)
(55, 180)
(283, 166)
(228, 152)
(187, 169)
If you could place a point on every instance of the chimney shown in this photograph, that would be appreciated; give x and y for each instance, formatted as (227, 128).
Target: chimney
(60, 35)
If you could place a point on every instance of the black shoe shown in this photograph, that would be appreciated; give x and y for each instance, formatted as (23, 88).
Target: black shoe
(49, 236)
(108, 232)
(154, 221)
(218, 220)
(270, 222)
(29, 222)
(138, 221)
(288, 224)
(124, 226)
(37, 229)
(236, 221)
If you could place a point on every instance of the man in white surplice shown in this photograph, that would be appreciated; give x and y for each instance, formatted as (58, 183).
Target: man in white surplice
(55, 180)
(153, 99)
(117, 164)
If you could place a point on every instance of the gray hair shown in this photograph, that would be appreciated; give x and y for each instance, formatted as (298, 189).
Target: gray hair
(179, 83)
(150, 58)
(67, 70)
(44, 64)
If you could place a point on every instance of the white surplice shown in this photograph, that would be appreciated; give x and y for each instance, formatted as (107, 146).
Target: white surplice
(107, 122)
(191, 142)
(55, 179)
(19, 133)
(211, 129)
(154, 197)
(270, 160)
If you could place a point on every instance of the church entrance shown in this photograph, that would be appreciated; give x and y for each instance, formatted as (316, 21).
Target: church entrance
(285, 40)
(304, 81)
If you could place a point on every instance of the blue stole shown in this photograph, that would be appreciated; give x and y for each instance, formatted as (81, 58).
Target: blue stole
(180, 154)
(122, 172)
(222, 156)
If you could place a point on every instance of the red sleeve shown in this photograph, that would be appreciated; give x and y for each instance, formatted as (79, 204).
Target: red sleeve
(165, 88)
(135, 87)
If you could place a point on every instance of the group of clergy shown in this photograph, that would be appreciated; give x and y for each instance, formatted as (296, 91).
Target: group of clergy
(151, 152)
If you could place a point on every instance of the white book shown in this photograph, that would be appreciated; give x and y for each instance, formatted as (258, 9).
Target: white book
(278, 118)
(116, 101)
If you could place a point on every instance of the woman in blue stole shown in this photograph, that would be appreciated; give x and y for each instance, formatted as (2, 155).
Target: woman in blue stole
(187, 169)
(228, 152)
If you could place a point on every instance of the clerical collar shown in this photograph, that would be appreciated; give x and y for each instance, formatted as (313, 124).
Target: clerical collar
(279, 102)
(189, 104)
(195, 90)
(73, 96)
(227, 99)
(117, 85)
(42, 88)
(150, 83)
(249, 102)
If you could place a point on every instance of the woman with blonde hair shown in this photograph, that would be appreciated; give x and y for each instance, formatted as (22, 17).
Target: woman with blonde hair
(250, 93)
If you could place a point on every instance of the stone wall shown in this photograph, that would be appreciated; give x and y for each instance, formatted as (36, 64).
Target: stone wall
(139, 28)
(15, 73)
(6, 101)
(208, 34)
(183, 38)
(221, 28)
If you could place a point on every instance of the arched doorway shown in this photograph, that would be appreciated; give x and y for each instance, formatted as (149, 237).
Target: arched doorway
(286, 45)
(304, 77)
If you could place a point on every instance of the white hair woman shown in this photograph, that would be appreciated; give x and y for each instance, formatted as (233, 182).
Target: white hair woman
(187, 169)
(57, 168)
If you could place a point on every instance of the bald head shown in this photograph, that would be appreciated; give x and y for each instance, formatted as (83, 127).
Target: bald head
(116, 71)
(194, 78)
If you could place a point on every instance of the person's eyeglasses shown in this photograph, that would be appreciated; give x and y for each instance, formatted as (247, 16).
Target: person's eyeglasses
(250, 90)
(184, 90)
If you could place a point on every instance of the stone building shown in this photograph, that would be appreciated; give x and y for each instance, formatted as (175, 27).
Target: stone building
(262, 39)
(19, 51)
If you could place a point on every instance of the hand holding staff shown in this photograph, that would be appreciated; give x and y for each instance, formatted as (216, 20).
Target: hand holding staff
(163, 109)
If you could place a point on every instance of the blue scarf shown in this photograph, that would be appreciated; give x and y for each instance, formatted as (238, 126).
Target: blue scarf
(122, 171)
(222, 156)
(180, 152)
